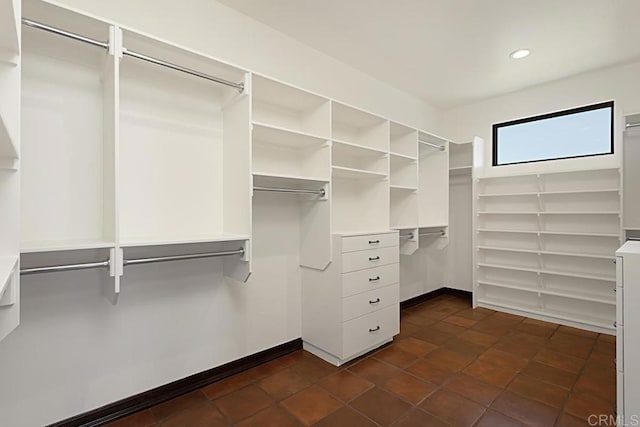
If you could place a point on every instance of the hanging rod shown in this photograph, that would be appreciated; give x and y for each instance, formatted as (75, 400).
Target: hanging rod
(431, 144)
(634, 239)
(127, 52)
(432, 233)
(63, 33)
(320, 192)
(632, 125)
(407, 236)
(137, 261)
(65, 267)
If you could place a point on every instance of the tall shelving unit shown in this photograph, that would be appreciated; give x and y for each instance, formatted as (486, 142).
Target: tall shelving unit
(631, 149)
(10, 82)
(546, 245)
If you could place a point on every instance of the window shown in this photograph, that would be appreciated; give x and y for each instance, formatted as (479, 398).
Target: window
(579, 132)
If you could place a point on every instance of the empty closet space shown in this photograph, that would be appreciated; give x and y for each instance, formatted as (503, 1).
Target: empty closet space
(433, 180)
(67, 155)
(183, 146)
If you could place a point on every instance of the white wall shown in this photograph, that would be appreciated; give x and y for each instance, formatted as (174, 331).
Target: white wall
(74, 351)
(618, 83)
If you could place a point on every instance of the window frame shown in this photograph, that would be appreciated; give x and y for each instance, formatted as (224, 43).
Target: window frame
(592, 107)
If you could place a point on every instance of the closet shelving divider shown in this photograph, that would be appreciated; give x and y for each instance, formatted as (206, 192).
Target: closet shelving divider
(545, 245)
(291, 151)
(403, 180)
(631, 175)
(360, 170)
(10, 73)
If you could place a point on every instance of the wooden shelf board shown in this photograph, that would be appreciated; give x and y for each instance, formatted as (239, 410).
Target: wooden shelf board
(283, 137)
(136, 242)
(357, 150)
(351, 173)
(67, 245)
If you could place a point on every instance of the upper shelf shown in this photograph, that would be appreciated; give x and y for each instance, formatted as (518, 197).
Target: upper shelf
(7, 142)
(9, 27)
(7, 266)
(542, 193)
(287, 181)
(183, 241)
(279, 136)
(69, 245)
(352, 173)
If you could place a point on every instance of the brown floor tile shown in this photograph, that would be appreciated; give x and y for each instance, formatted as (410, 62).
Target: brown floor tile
(434, 337)
(509, 316)
(346, 417)
(419, 418)
(429, 372)
(559, 360)
(461, 321)
(452, 408)
(520, 344)
(409, 387)
(479, 338)
(381, 406)
(226, 386)
(525, 410)
(346, 385)
(605, 347)
(473, 389)
(314, 369)
(495, 326)
(273, 416)
(531, 388)
(180, 403)
(475, 313)
(448, 360)
(572, 345)
(584, 405)
(243, 403)
(139, 419)
(597, 382)
(447, 328)
(502, 358)
(203, 415)
(491, 373)
(464, 347)
(493, 418)
(549, 374)
(267, 369)
(567, 420)
(415, 346)
(311, 405)
(537, 328)
(283, 384)
(373, 370)
(395, 356)
(607, 338)
(604, 359)
(579, 332)
(407, 329)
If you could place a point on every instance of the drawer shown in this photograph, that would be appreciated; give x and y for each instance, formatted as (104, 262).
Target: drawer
(371, 241)
(367, 302)
(366, 331)
(619, 306)
(353, 261)
(620, 348)
(372, 278)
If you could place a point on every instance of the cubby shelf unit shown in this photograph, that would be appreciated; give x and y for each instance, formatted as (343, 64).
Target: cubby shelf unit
(545, 245)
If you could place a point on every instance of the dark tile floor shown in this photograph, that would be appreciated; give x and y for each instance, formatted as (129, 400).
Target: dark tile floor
(451, 365)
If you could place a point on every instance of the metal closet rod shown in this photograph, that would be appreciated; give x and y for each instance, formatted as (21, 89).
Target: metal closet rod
(432, 233)
(632, 125)
(105, 45)
(431, 144)
(135, 261)
(320, 192)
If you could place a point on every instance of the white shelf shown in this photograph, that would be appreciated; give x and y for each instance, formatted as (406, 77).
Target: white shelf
(7, 144)
(404, 227)
(588, 320)
(552, 233)
(549, 272)
(353, 233)
(543, 193)
(549, 213)
(583, 297)
(7, 266)
(183, 241)
(351, 173)
(9, 27)
(70, 245)
(531, 251)
(403, 188)
(286, 180)
(488, 178)
(403, 156)
(460, 170)
(283, 137)
(353, 149)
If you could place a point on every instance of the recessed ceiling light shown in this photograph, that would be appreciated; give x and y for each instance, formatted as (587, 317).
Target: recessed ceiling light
(520, 53)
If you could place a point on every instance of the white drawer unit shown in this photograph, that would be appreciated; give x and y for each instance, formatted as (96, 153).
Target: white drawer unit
(628, 331)
(352, 307)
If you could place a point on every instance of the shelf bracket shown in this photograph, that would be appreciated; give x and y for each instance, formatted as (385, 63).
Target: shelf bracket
(111, 286)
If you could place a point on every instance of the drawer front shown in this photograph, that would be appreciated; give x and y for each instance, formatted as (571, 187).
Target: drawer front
(620, 348)
(367, 302)
(366, 331)
(371, 241)
(365, 280)
(354, 261)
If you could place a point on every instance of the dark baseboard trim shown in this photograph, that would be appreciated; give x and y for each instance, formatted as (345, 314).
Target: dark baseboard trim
(430, 295)
(149, 398)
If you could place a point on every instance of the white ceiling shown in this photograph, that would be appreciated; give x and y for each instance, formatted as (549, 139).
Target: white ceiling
(452, 52)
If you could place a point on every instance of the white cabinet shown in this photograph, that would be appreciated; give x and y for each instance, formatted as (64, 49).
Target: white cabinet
(353, 306)
(628, 331)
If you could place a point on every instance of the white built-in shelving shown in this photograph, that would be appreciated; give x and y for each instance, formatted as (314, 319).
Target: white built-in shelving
(545, 245)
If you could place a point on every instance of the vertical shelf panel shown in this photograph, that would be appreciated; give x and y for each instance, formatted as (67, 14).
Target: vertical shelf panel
(433, 167)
